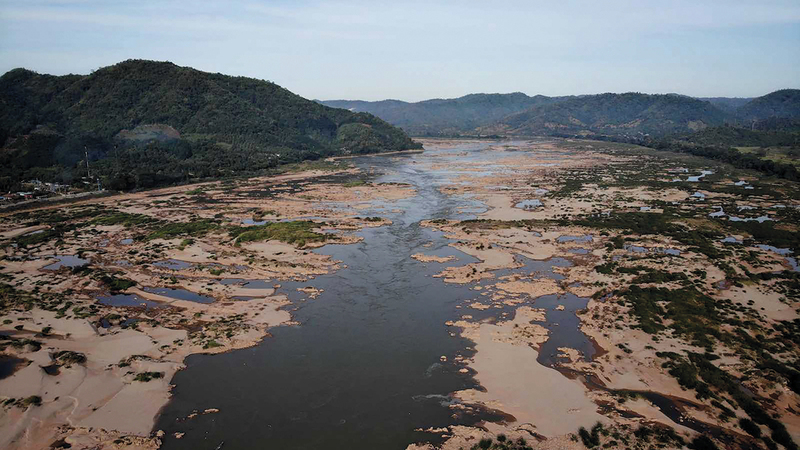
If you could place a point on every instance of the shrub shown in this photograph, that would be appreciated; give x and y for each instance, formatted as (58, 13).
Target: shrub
(750, 427)
(591, 439)
(144, 377)
(68, 357)
(703, 443)
(33, 400)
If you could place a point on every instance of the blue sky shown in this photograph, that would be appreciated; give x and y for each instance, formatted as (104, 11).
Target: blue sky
(413, 50)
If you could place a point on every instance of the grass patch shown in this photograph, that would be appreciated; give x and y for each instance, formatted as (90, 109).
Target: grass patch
(69, 358)
(116, 284)
(299, 232)
(11, 297)
(33, 400)
(692, 314)
(211, 344)
(145, 377)
(121, 218)
(320, 164)
(30, 240)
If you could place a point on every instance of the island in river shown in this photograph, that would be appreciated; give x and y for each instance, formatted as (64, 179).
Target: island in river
(488, 294)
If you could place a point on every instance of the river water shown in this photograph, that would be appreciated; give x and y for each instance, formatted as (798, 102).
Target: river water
(362, 370)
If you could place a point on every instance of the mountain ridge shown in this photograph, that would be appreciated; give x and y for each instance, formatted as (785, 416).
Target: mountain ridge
(659, 114)
(445, 117)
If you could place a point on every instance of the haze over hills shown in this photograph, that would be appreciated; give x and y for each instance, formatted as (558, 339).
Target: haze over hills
(146, 123)
(612, 114)
(627, 115)
(446, 116)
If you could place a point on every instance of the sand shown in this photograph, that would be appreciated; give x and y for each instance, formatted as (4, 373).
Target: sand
(506, 366)
(99, 401)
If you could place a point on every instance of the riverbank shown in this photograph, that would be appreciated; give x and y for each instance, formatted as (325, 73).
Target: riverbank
(170, 283)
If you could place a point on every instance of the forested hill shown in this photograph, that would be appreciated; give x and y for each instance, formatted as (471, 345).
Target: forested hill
(613, 114)
(628, 115)
(779, 104)
(446, 117)
(146, 123)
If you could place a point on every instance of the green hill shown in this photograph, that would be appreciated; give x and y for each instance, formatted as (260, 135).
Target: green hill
(629, 114)
(732, 136)
(146, 123)
(779, 104)
(446, 117)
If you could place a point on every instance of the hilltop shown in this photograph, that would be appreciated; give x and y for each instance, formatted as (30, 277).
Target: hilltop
(147, 123)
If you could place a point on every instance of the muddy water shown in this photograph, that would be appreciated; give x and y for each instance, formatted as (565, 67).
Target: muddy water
(362, 370)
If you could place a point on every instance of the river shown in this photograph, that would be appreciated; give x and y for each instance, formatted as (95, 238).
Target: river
(362, 370)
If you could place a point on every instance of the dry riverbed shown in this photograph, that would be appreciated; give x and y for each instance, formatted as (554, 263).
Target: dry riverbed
(680, 299)
(102, 301)
(622, 297)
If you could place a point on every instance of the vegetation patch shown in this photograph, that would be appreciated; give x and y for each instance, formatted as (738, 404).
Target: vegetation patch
(10, 297)
(126, 219)
(145, 377)
(715, 381)
(501, 442)
(646, 436)
(116, 284)
(33, 239)
(298, 232)
(690, 312)
(68, 358)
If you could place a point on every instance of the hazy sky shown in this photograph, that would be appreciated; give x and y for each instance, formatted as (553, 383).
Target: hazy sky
(416, 50)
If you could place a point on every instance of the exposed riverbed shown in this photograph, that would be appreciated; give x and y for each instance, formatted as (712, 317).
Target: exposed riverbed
(364, 367)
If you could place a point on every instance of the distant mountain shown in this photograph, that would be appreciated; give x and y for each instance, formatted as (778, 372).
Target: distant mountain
(163, 123)
(612, 114)
(445, 117)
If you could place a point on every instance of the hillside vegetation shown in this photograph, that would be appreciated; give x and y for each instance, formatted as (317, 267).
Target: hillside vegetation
(446, 117)
(146, 123)
(613, 114)
(779, 104)
(628, 115)
(734, 136)
(761, 133)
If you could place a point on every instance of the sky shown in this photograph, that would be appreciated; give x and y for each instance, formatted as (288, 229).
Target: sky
(415, 50)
